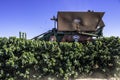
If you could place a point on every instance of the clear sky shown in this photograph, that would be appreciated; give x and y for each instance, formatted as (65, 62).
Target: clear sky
(33, 16)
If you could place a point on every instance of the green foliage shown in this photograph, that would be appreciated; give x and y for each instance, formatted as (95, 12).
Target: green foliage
(19, 58)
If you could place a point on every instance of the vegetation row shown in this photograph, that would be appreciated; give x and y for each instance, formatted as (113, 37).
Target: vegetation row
(22, 59)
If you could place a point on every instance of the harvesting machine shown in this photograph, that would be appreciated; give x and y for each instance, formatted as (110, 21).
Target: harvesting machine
(75, 26)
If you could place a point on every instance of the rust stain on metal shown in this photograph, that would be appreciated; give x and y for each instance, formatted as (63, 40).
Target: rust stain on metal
(80, 21)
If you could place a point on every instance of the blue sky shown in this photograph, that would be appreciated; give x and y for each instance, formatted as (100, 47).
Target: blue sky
(33, 16)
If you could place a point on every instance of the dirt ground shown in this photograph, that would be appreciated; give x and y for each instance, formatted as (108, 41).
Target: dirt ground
(93, 76)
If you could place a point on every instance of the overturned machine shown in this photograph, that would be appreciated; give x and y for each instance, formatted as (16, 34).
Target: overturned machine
(74, 26)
